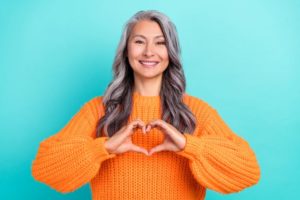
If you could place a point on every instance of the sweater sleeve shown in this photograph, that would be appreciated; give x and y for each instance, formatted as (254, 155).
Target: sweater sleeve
(219, 159)
(72, 157)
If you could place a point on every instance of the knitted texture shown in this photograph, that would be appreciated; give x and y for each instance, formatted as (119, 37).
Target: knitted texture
(214, 157)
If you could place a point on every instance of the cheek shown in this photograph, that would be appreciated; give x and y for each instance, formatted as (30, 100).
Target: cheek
(134, 51)
(164, 54)
(166, 61)
(165, 57)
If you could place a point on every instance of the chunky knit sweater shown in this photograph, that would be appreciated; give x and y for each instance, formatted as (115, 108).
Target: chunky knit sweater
(214, 157)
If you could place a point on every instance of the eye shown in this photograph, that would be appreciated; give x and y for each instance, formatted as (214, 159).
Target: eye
(161, 43)
(139, 41)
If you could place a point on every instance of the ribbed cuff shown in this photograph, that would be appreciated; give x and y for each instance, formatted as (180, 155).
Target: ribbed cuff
(193, 146)
(100, 152)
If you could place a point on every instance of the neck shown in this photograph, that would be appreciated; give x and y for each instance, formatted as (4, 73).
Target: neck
(147, 87)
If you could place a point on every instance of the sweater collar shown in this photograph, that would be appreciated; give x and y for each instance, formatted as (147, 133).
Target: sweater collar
(146, 100)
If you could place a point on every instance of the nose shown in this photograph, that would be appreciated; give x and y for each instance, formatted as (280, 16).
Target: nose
(148, 51)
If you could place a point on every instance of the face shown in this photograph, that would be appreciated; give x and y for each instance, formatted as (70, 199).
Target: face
(147, 51)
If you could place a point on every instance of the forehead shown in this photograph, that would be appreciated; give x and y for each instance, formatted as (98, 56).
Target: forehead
(147, 29)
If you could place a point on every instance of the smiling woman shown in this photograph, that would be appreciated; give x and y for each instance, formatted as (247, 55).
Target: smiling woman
(147, 52)
(146, 138)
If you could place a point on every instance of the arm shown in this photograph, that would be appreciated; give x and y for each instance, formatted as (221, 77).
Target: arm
(219, 159)
(72, 157)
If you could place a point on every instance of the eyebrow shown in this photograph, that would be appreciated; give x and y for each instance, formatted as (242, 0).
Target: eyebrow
(145, 37)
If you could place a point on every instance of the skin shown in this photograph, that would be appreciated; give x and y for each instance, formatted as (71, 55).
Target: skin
(147, 43)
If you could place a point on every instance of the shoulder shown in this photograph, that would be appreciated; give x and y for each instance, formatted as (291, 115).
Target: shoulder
(194, 102)
(95, 100)
(198, 106)
(95, 106)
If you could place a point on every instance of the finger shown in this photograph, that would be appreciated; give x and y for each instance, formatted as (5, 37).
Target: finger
(148, 128)
(137, 123)
(158, 124)
(156, 149)
(142, 125)
(136, 148)
(144, 129)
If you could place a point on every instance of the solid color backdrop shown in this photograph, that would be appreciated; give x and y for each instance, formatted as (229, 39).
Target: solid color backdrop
(242, 57)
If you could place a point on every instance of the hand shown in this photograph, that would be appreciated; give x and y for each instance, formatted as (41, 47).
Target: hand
(121, 141)
(173, 141)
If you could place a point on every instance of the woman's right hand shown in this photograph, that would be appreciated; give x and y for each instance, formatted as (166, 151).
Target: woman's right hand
(121, 141)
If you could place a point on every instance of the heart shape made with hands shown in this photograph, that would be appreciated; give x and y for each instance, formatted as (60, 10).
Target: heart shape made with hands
(173, 140)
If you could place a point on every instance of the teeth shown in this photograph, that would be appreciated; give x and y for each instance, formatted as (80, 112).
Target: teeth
(149, 63)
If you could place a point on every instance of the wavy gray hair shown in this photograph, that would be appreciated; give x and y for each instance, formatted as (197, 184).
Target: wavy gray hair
(117, 98)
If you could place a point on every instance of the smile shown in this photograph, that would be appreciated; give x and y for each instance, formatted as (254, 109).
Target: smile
(148, 63)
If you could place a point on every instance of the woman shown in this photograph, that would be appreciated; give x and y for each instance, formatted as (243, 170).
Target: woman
(146, 138)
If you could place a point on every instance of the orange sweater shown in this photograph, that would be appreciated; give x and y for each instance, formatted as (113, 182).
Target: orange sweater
(214, 157)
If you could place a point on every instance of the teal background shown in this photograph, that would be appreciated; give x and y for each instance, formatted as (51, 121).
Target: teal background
(242, 57)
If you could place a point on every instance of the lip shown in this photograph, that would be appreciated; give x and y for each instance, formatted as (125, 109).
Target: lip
(148, 60)
(148, 63)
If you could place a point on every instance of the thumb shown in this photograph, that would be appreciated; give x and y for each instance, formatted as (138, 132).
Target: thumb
(157, 148)
(138, 149)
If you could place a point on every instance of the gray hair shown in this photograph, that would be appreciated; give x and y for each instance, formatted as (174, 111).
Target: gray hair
(117, 98)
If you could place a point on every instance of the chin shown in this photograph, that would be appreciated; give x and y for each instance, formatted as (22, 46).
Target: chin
(149, 75)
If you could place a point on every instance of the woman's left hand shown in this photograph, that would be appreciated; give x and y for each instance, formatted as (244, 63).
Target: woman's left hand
(173, 141)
